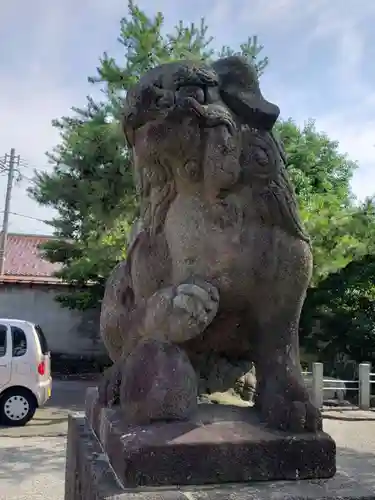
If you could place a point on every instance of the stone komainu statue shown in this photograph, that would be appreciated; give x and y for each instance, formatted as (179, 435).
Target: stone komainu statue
(220, 263)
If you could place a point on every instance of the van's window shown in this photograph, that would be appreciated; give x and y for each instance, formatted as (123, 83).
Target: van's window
(3, 340)
(19, 342)
(42, 340)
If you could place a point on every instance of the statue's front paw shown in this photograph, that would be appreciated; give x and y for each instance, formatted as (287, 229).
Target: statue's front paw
(199, 302)
(195, 305)
(180, 313)
(293, 416)
(284, 404)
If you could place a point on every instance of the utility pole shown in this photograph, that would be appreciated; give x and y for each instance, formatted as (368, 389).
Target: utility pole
(11, 158)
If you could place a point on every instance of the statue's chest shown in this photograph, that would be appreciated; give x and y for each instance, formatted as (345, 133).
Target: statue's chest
(204, 241)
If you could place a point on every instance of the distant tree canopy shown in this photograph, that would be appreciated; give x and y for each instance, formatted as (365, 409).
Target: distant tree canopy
(91, 187)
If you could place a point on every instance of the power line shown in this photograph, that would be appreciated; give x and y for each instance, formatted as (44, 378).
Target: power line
(23, 176)
(26, 164)
(19, 175)
(26, 216)
(21, 163)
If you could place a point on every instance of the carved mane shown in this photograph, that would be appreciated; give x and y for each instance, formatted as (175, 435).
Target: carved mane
(274, 195)
(156, 191)
(239, 89)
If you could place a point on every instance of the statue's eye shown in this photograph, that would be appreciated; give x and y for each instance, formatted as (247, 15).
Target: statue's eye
(261, 157)
(166, 100)
(191, 91)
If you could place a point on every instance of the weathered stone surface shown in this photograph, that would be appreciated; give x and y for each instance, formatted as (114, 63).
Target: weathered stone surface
(89, 476)
(200, 450)
(220, 261)
(93, 407)
(158, 383)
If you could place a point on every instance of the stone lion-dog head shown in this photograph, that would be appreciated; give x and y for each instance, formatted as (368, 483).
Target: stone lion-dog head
(195, 124)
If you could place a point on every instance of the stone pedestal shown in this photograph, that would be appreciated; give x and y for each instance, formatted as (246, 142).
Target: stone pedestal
(222, 444)
(223, 453)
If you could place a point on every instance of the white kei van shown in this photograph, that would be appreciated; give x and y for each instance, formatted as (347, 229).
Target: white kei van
(25, 371)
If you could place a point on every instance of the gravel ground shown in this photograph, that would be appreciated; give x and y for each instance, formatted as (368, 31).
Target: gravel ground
(33, 458)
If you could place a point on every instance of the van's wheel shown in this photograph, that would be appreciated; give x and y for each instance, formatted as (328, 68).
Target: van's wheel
(17, 407)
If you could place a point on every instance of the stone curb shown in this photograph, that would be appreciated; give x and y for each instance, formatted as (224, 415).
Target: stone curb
(349, 418)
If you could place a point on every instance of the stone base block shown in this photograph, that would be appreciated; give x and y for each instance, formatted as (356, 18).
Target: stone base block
(222, 444)
(90, 476)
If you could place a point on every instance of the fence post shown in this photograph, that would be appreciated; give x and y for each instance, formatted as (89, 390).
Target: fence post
(317, 384)
(364, 386)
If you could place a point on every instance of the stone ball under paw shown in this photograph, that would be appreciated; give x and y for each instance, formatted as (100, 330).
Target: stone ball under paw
(158, 383)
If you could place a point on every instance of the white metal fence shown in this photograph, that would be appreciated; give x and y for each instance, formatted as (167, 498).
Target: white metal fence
(362, 385)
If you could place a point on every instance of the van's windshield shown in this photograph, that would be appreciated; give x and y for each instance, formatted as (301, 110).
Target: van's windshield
(42, 340)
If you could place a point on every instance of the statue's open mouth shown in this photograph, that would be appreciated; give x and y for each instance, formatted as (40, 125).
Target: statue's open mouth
(208, 115)
(160, 105)
(225, 93)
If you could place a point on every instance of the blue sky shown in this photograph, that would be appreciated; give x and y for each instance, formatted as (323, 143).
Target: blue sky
(321, 66)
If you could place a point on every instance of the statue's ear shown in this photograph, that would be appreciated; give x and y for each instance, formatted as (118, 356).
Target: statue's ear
(239, 89)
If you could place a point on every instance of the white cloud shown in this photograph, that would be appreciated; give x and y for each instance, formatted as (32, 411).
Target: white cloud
(343, 29)
(357, 139)
(352, 125)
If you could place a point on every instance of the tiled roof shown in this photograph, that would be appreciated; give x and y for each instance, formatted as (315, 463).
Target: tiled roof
(23, 259)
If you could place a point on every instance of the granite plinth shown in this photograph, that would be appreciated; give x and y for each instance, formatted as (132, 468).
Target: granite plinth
(90, 476)
(221, 444)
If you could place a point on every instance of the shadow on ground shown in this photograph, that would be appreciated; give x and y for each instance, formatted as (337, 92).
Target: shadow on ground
(69, 395)
(349, 414)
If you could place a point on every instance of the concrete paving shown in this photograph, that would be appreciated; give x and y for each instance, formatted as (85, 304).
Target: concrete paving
(32, 468)
(32, 458)
(355, 441)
